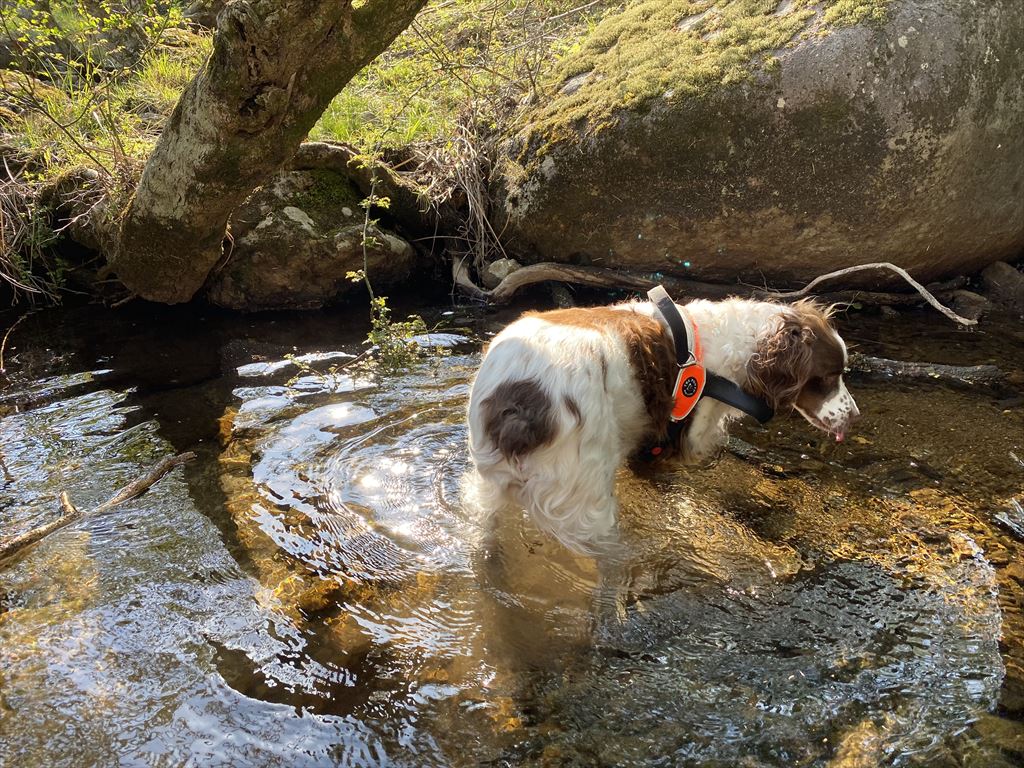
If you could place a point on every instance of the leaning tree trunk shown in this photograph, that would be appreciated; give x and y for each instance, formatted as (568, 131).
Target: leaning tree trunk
(275, 66)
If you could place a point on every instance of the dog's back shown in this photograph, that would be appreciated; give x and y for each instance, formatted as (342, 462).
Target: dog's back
(554, 410)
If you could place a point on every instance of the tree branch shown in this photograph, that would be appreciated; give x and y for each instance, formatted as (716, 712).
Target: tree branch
(880, 367)
(275, 66)
(601, 277)
(70, 513)
(876, 265)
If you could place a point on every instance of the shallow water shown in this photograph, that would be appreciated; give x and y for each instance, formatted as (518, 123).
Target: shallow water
(310, 591)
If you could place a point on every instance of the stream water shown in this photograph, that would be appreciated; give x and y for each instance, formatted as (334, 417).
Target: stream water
(310, 591)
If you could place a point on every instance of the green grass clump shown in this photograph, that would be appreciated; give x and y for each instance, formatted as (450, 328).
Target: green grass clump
(158, 85)
(391, 105)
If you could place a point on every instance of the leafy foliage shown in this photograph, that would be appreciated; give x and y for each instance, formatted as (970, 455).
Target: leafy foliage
(392, 341)
(90, 82)
(85, 83)
(461, 60)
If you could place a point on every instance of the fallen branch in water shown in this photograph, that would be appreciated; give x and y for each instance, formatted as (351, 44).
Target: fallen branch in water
(3, 344)
(70, 513)
(538, 273)
(876, 265)
(681, 288)
(957, 374)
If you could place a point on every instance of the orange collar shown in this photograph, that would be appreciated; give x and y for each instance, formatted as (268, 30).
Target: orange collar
(690, 380)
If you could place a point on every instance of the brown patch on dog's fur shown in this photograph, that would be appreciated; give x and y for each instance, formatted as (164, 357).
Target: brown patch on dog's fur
(799, 360)
(651, 353)
(518, 417)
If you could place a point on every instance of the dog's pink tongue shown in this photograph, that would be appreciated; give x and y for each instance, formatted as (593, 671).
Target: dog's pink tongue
(840, 436)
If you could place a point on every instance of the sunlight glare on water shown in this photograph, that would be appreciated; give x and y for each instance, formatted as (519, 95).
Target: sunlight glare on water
(313, 591)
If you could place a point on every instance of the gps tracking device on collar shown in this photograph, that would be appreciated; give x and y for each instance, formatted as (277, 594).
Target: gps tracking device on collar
(693, 377)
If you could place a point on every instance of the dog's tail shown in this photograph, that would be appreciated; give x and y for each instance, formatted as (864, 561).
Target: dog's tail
(518, 417)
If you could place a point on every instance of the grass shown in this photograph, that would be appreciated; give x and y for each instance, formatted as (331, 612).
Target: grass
(90, 103)
(66, 125)
(461, 61)
(390, 106)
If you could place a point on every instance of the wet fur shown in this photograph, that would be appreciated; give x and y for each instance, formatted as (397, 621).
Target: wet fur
(563, 398)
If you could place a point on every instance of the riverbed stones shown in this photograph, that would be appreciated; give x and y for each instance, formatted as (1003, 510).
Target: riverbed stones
(496, 271)
(970, 304)
(296, 242)
(1004, 286)
(814, 137)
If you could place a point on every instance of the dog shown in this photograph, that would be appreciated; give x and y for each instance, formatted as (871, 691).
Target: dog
(563, 398)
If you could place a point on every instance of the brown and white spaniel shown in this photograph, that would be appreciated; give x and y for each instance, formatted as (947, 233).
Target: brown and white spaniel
(563, 398)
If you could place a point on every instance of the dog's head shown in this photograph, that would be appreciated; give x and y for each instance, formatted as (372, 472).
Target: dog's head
(799, 363)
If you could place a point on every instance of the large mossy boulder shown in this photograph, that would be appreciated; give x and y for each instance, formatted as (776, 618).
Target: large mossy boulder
(760, 139)
(296, 242)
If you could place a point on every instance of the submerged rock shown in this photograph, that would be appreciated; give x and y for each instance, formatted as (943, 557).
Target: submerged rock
(778, 142)
(1004, 286)
(297, 239)
(970, 304)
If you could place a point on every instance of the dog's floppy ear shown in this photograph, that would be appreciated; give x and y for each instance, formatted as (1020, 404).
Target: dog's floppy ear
(781, 365)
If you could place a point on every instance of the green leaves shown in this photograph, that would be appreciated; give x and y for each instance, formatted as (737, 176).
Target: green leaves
(394, 344)
(91, 81)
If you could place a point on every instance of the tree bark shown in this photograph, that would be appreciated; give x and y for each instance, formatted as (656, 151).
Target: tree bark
(275, 66)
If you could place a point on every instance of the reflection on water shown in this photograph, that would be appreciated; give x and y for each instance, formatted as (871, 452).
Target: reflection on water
(311, 591)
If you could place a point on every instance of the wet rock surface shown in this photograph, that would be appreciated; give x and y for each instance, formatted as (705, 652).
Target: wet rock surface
(1004, 286)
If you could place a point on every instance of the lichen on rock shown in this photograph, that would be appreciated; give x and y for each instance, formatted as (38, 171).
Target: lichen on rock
(297, 239)
(671, 49)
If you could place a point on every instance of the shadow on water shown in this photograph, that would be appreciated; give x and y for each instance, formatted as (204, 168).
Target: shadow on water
(311, 591)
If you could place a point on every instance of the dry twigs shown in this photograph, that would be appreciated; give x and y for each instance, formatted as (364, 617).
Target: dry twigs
(3, 344)
(70, 513)
(876, 265)
(601, 277)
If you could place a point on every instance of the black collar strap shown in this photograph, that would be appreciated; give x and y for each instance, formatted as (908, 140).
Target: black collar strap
(718, 387)
(681, 335)
(728, 392)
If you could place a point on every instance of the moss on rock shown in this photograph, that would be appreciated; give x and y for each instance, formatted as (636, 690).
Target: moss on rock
(675, 49)
(898, 141)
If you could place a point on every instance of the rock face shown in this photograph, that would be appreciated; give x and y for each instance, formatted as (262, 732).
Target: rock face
(845, 133)
(295, 241)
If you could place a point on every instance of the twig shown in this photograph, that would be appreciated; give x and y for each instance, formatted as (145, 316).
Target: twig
(571, 11)
(136, 487)
(679, 287)
(70, 513)
(3, 344)
(124, 300)
(876, 265)
(880, 367)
